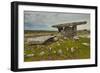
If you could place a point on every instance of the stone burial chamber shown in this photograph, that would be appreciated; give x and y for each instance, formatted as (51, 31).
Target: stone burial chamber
(68, 30)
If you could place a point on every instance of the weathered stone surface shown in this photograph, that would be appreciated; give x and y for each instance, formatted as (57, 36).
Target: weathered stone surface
(29, 55)
(55, 39)
(68, 30)
(60, 51)
(85, 44)
(70, 24)
(72, 49)
(76, 38)
(39, 40)
(42, 53)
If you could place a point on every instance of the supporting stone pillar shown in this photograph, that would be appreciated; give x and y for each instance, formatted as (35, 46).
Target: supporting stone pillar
(74, 30)
(69, 31)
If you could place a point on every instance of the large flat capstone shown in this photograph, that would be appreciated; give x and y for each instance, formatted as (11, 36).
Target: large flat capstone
(39, 40)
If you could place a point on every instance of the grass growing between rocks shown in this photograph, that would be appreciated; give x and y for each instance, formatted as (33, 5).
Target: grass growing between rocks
(60, 50)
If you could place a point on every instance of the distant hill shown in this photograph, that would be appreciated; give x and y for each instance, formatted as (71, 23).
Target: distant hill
(33, 31)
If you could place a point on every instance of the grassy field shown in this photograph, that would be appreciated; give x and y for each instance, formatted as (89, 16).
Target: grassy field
(61, 49)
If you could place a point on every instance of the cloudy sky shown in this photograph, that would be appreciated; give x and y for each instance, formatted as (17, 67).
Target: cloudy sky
(34, 20)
